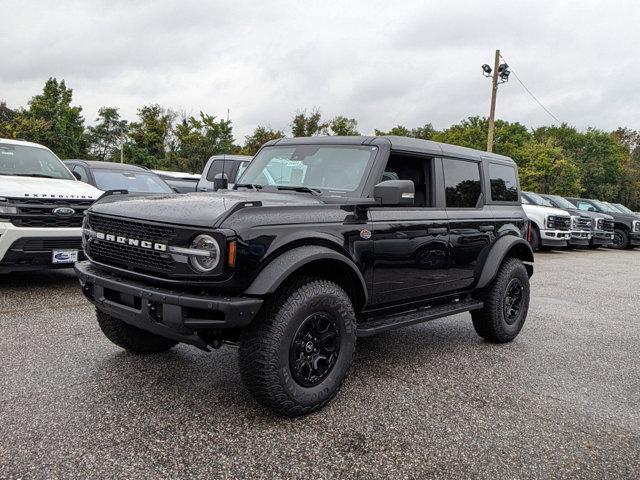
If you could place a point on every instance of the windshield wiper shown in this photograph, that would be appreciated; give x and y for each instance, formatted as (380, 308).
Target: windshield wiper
(38, 175)
(252, 186)
(312, 191)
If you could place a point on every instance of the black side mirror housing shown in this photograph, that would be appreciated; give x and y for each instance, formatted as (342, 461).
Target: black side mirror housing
(220, 181)
(77, 175)
(393, 193)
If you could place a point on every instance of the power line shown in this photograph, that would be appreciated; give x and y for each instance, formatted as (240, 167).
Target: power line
(530, 93)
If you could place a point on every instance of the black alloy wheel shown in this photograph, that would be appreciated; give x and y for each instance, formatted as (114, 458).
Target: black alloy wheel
(513, 300)
(314, 349)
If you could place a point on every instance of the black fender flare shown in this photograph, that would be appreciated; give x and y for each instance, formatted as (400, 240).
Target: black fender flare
(281, 267)
(501, 248)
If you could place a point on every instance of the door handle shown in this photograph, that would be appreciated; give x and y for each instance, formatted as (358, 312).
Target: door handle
(436, 230)
(486, 228)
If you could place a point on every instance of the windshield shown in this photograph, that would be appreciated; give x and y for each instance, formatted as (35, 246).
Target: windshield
(241, 168)
(26, 161)
(537, 199)
(623, 209)
(561, 202)
(332, 169)
(604, 207)
(139, 182)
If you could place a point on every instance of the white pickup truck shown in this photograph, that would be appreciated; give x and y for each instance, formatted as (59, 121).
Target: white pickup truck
(42, 206)
(550, 227)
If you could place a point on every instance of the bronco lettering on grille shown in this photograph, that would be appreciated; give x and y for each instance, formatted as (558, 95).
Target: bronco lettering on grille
(134, 242)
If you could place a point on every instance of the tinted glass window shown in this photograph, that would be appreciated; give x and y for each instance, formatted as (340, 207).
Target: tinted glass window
(335, 169)
(27, 161)
(140, 182)
(82, 172)
(219, 166)
(462, 183)
(504, 186)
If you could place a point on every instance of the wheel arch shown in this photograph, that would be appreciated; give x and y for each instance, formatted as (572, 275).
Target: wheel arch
(312, 260)
(508, 246)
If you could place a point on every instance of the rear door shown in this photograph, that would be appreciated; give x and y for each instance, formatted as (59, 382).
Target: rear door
(471, 224)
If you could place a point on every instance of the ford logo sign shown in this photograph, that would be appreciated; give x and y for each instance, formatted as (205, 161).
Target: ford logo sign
(64, 211)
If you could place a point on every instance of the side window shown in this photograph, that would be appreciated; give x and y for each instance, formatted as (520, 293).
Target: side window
(416, 169)
(461, 183)
(586, 207)
(220, 166)
(82, 172)
(504, 185)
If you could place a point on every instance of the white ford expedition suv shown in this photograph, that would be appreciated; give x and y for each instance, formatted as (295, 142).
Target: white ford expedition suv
(41, 208)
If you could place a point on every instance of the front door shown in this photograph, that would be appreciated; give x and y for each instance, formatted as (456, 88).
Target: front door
(411, 253)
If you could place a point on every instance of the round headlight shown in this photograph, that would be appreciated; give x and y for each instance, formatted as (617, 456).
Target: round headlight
(210, 256)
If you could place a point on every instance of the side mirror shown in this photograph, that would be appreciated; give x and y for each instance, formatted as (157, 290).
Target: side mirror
(394, 193)
(220, 181)
(76, 174)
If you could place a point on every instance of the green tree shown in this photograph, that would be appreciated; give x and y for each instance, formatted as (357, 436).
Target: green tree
(198, 138)
(343, 126)
(509, 138)
(308, 124)
(52, 121)
(149, 136)
(399, 131)
(544, 168)
(598, 154)
(106, 136)
(259, 137)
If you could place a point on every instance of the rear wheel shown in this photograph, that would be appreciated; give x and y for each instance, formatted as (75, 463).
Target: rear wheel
(294, 360)
(130, 338)
(506, 303)
(620, 239)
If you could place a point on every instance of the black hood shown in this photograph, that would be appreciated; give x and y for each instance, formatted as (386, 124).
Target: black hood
(584, 213)
(193, 209)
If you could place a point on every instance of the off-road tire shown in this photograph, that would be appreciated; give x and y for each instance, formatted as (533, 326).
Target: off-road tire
(130, 338)
(491, 322)
(265, 347)
(624, 239)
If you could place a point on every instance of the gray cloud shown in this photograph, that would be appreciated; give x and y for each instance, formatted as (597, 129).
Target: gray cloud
(411, 62)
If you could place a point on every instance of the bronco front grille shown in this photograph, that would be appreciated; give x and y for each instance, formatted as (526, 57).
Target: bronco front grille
(127, 256)
(131, 258)
(129, 229)
(38, 212)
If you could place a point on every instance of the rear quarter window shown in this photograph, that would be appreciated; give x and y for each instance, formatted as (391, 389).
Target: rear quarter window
(504, 183)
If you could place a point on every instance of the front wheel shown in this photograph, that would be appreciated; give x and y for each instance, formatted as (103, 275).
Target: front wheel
(506, 303)
(293, 360)
(620, 239)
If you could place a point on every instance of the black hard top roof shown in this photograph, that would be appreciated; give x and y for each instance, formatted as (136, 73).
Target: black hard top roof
(109, 165)
(401, 144)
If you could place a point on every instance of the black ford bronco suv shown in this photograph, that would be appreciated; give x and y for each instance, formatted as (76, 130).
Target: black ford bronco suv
(322, 240)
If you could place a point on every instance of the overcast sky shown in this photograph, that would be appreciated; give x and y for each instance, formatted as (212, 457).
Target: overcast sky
(383, 63)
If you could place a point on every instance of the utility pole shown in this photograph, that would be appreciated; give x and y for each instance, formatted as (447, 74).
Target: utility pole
(494, 93)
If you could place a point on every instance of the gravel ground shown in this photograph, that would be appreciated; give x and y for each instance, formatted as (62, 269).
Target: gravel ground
(430, 401)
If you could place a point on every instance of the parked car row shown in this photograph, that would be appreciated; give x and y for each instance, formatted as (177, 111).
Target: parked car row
(559, 222)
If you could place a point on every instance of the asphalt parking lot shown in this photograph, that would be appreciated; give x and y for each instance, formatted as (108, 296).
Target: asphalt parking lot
(430, 401)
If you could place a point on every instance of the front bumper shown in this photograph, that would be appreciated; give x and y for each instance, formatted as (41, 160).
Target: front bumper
(171, 314)
(634, 239)
(580, 238)
(24, 248)
(554, 238)
(602, 237)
